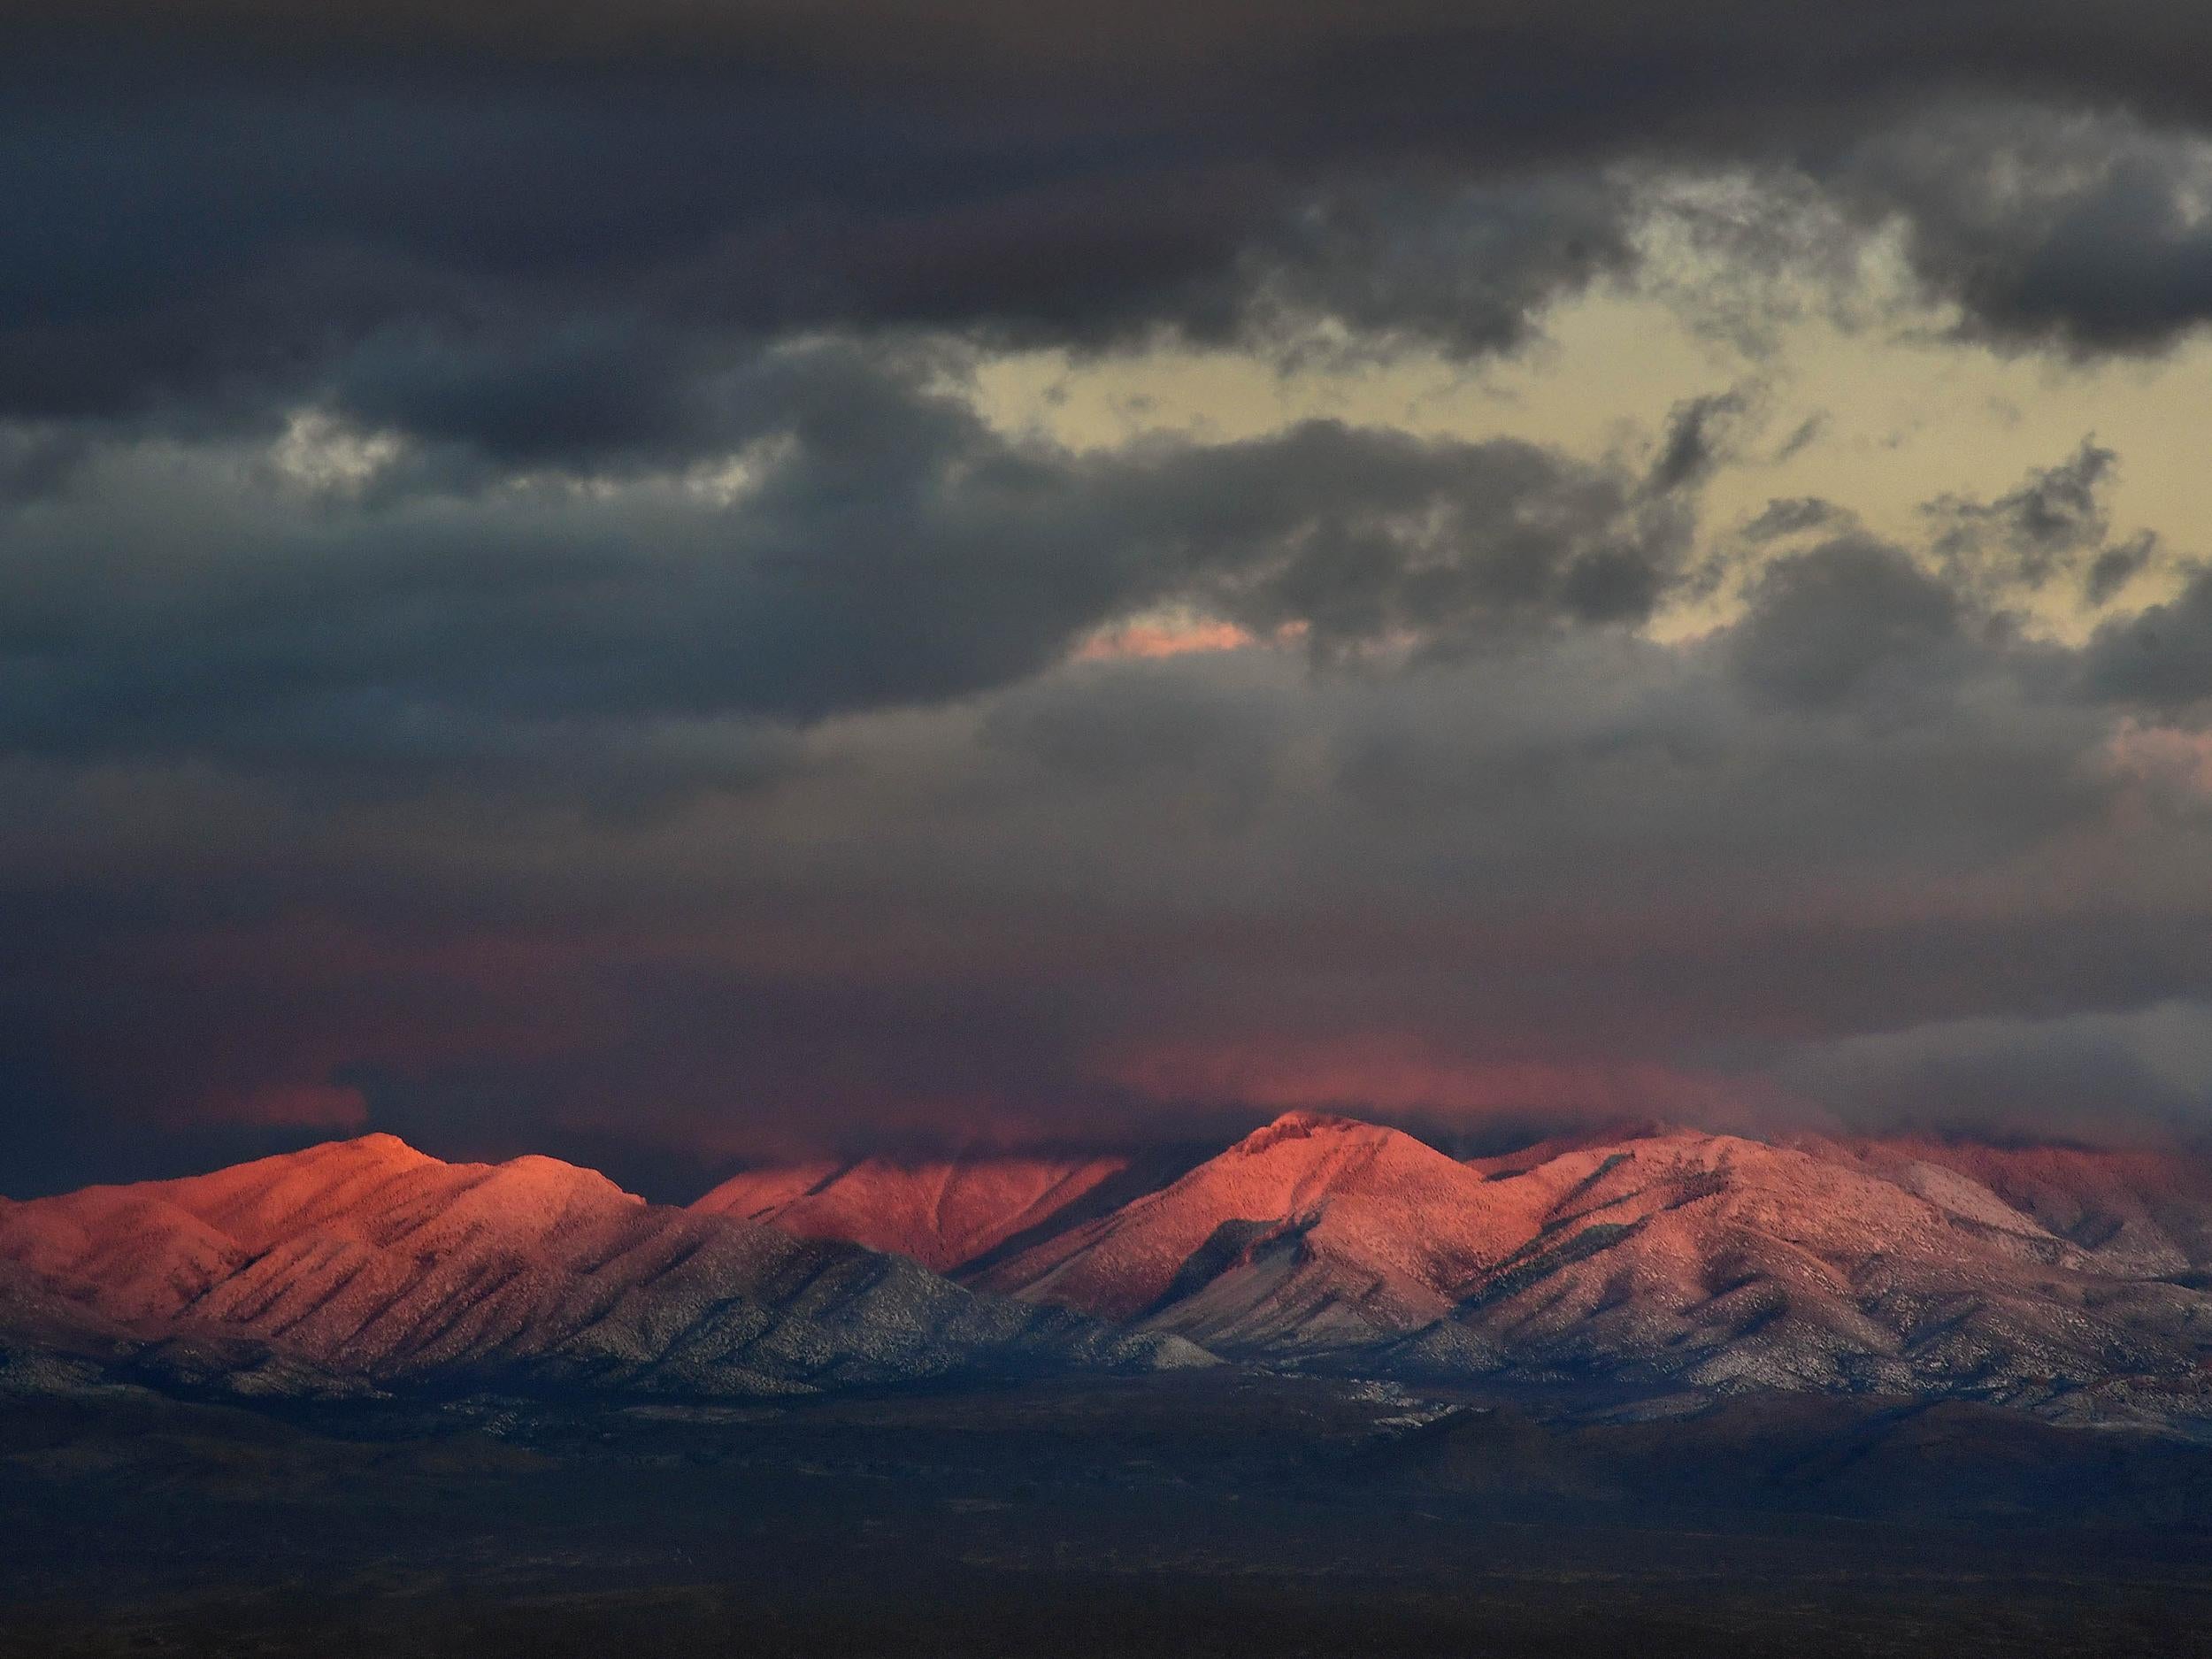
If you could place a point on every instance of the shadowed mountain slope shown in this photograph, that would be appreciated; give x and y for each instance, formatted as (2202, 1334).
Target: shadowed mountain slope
(2129, 1211)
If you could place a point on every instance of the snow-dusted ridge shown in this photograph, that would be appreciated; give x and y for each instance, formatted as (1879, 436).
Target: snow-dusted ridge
(365, 1263)
(1659, 1257)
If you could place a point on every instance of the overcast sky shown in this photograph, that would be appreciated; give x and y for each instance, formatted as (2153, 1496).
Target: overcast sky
(704, 581)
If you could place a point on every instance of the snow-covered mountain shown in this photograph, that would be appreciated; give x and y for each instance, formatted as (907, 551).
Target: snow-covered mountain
(367, 1263)
(1658, 1256)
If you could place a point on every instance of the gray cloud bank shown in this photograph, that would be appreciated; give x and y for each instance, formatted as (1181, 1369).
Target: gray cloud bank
(511, 628)
(551, 254)
(532, 843)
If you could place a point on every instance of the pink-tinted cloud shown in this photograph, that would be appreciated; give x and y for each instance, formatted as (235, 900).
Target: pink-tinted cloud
(1151, 640)
(2163, 755)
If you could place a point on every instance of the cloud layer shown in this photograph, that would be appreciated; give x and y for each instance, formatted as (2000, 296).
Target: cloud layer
(521, 621)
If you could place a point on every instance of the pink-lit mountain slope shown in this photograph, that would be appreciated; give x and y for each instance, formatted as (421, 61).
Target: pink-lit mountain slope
(366, 1260)
(943, 1213)
(1311, 1232)
(1657, 1259)
(1720, 1261)
(1661, 1256)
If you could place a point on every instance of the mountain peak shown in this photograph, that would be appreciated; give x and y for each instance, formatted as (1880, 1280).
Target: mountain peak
(536, 1170)
(1304, 1126)
(1317, 1228)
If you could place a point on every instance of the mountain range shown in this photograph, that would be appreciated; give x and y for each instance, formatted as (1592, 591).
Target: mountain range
(1653, 1260)
(365, 1263)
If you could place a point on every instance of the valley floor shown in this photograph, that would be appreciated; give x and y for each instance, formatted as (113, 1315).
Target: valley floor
(1223, 1513)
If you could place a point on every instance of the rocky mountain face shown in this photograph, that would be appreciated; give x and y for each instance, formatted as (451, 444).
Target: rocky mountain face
(2062, 1279)
(1657, 1260)
(365, 1263)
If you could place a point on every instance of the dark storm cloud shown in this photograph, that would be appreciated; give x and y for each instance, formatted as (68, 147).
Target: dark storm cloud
(2031, 1077)
(1793, 517)
(1858, 621)
(2076, 228)
(1851, 619)
(510, 628)
(556, 265)
(2054, 525)
(544, 232)
(1696, 45)
(888, 547)
(2162, 657)
(2029, 533)
(1696, 441)
(2114, 567)
(1463, 269)
(455, 256)
(1587, 851)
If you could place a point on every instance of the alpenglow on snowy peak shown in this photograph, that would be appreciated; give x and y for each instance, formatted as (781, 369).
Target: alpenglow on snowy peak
(2064, 1280)
(365, 1263)
(1663, 1257)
